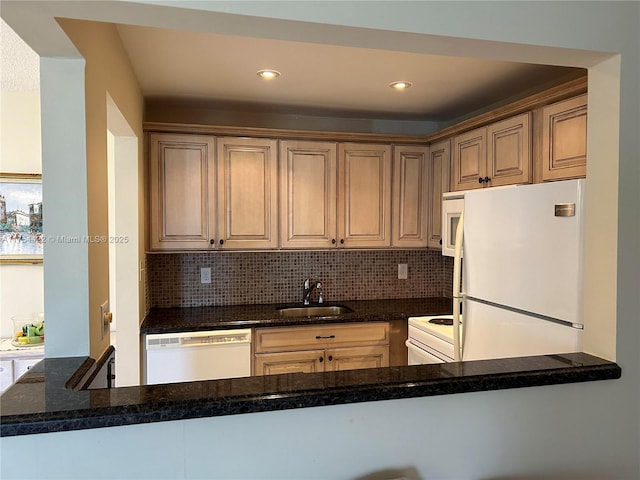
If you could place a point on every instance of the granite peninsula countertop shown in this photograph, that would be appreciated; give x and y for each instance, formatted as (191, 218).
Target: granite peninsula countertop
(172, 320)
(43, 400)
(47, 397)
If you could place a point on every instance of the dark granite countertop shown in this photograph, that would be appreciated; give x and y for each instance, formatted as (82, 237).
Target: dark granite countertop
(42, 400)
(172, 320)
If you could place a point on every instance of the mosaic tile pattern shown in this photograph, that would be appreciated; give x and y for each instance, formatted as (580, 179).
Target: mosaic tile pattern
(239, 278)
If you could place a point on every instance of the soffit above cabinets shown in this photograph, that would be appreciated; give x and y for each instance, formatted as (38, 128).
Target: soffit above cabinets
(221, 70)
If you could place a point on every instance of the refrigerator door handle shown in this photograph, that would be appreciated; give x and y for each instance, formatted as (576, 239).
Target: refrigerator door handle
(457, 297)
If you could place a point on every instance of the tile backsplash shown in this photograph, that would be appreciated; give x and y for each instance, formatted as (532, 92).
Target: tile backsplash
(173, 279)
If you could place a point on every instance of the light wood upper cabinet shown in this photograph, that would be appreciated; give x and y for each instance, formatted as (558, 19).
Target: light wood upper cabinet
(509, 151)
(308, 181)
(200, 200)
(364, 195)
(438, 183)
(410, 196)
(469, 159)
(564, 139)
(182, 182)
(247, 193)
(499, 154)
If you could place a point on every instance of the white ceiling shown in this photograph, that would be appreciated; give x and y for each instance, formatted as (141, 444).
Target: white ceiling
(174, 64)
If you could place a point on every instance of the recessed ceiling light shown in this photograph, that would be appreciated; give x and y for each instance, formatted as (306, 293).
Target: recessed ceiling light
(268, 74)
(400, 85)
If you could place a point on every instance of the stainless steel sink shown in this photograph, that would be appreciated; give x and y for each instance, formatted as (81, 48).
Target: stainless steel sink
(314, 311)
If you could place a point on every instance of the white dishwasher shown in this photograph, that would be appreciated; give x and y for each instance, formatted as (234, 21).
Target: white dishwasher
(192, 356)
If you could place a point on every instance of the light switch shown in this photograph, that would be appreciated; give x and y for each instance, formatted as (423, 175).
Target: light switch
(403, 271)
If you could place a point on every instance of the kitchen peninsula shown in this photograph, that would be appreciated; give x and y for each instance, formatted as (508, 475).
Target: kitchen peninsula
(50, 398)
(44, 400)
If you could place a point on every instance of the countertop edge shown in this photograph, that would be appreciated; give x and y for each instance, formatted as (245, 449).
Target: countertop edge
(422, 385)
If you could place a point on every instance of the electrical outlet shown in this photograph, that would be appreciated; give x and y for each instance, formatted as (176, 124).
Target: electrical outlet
(403, 271)
(205, 275)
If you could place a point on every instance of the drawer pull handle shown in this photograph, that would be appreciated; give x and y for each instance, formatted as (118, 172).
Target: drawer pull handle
(320, 337)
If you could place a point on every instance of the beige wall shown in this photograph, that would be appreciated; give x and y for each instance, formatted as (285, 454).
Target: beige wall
(107, 71)
(21, 286)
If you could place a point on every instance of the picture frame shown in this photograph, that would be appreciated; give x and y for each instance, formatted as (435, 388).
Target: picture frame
(21, 236)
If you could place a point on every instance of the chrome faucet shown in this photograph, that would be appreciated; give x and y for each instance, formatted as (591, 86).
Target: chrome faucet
(308, 288)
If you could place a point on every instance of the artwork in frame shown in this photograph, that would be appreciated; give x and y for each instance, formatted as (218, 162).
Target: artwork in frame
(21, 238)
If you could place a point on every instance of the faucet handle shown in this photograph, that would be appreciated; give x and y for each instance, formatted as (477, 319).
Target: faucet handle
(320, 295)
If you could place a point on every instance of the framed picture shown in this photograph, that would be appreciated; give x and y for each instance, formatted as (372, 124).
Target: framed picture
(21, 238)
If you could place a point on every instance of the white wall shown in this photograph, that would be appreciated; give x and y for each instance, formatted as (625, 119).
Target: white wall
(584, 431)
(21, 286)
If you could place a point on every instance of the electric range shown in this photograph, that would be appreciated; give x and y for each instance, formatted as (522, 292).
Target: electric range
(430, 339)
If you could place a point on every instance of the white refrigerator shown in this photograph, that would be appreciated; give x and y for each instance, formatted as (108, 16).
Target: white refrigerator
(522, 287)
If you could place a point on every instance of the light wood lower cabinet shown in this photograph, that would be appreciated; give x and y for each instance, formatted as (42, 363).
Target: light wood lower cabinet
(307, 361)
(321, 348)
(355, 358)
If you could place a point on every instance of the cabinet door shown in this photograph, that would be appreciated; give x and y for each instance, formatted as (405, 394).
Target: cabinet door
(182, 199)
(356, 357)
(469, 160)
(410, 196)
(307, 361)
(364, 195)
(509, 151)
(439, 165)
(564, 139)
(247, 193)
(308, 180)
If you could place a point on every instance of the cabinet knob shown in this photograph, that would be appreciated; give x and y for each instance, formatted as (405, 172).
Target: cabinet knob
(212, 242)
(330, 357)
(487, 179)
(440, 241)
(333, 241)
(480, 179)
(342, 241)
(321, 359)
(221, 242)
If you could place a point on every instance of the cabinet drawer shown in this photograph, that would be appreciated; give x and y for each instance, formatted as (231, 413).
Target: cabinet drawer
(320, 336)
